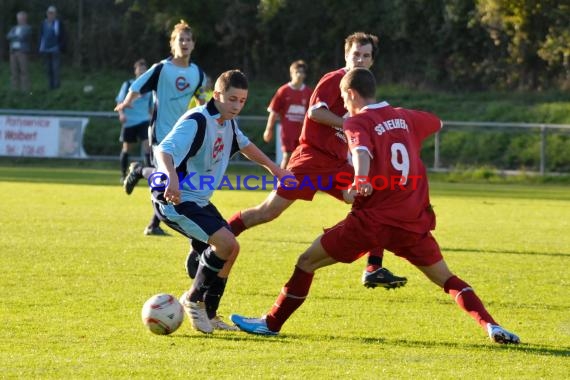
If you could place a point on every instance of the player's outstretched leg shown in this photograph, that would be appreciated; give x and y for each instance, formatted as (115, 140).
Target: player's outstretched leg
(466, 299)
(265, 212)
(291, 297)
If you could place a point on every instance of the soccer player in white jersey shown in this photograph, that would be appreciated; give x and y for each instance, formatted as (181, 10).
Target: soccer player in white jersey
(200, 145)
(173, 81)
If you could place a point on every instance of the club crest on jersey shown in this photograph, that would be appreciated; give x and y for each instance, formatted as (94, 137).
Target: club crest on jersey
(218, 147)
(181, 84)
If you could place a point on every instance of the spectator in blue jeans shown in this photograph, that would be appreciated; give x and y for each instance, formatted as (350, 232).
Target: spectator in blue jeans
(52, 44)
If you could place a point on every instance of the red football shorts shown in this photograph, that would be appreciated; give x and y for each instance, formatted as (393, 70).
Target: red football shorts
(349, 239)
(316, 171)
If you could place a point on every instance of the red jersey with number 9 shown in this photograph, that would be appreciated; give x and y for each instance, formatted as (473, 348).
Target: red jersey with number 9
(393, 138)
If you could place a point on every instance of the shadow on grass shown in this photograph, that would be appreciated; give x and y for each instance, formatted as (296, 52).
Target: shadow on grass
(523, 347)
(293, 240)
(528, 348)
(500, 251)
(237, 336)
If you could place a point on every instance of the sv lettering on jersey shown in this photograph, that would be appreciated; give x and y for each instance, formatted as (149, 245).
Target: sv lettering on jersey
(389, 125)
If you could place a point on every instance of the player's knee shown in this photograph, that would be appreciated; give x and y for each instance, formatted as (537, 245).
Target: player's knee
(234, 248)
(235, 252)
(305, 263)
(226, 246)
(230, 247)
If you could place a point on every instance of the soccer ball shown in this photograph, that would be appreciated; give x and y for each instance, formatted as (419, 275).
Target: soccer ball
(162, 314)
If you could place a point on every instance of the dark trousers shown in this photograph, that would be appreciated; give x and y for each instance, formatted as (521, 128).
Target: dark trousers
(20, 71)
(53, 62)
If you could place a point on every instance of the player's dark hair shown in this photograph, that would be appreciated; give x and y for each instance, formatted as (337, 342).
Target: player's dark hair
(360, 80)
(361, 38)
(300, 64)
(231, 78)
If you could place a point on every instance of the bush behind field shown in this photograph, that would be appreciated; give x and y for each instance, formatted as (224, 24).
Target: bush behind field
(510, 149)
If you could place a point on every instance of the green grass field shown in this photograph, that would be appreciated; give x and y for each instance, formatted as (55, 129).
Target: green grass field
(77, 270)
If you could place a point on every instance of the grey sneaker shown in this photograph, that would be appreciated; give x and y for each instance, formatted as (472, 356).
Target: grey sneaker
(219, 324)
(384, 278)
(196, 312)
(500, 335)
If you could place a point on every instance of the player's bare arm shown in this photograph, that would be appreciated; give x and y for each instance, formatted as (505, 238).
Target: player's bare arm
(323, 116)
(128, 101)
(253, 153)
(122, 117)
(271, 120)
(166, 164)
(361, 161)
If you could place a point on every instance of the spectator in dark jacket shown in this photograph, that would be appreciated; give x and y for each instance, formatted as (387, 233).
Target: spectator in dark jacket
(52, 44)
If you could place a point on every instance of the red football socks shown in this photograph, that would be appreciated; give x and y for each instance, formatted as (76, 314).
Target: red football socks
(290, 299)
(372, 268)
(236, 223)
(466, 299)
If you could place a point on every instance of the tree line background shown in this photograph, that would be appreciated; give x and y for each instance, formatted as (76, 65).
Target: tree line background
(440, 44)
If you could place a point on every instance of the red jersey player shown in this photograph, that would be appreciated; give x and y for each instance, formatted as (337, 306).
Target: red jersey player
(321, 156)
(289, 105)
(384, 142)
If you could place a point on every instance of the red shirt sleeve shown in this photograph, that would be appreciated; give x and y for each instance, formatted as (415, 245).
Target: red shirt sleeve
(327, 91)
(357, 133)
(276, 104)
(424, 123)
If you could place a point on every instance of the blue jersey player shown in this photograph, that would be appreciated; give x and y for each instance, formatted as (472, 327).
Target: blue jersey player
(173, 82)
(201, 144)
(134, 120)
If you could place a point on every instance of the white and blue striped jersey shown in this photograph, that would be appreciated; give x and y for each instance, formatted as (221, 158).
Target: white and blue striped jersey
(203, 170)
(173, 87)
(141, 107)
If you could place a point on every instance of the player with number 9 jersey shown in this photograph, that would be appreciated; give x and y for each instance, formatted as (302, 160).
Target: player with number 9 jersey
(394, 135)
